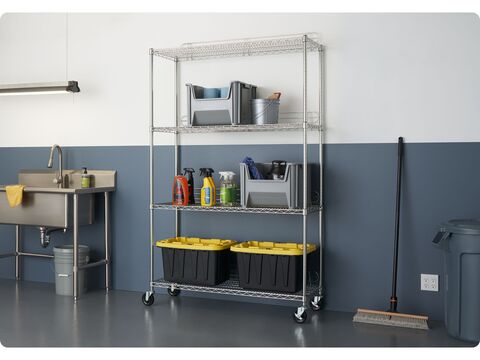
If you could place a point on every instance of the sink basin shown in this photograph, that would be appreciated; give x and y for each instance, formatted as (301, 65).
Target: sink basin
(44, 204)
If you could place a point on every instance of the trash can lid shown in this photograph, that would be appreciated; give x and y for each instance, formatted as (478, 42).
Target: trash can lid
(465, 226)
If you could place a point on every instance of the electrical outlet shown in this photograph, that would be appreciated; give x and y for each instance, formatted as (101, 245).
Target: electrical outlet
(429, 282)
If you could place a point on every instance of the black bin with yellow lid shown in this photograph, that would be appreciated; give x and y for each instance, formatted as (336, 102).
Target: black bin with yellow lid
(195, 261)
(270, 266)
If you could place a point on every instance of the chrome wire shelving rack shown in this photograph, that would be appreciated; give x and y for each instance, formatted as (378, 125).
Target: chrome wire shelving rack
(302, 44)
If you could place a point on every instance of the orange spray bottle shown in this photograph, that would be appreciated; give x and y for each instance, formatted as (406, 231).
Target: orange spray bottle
(180, 190)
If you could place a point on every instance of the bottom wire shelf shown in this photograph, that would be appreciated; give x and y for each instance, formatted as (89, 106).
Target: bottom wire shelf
(232, 287)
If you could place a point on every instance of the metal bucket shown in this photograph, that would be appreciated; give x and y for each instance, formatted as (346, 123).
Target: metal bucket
(265, 111)
(63, 260)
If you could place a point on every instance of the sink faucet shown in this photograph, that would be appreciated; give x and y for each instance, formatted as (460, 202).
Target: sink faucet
(58, 180)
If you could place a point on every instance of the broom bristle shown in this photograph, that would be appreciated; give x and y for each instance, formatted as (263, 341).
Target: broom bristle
(391, 319)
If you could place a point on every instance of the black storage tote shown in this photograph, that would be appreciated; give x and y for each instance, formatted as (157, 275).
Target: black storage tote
(270, 266)
(195, 261)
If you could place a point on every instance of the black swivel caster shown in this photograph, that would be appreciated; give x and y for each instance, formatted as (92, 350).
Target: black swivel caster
(173, 292)
(148, 302)
(300, 319)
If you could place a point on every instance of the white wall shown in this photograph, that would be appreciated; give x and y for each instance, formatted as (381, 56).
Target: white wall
(415, 75)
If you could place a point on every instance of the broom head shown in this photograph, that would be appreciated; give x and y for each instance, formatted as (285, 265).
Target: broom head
(391, 319)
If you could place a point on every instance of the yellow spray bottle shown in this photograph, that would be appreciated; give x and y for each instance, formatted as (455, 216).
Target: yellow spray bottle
(208, 195)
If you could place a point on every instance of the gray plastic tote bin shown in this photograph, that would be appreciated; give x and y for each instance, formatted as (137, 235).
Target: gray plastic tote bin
(284, 193)
(234, 109)
(63, 259)
(460, 241)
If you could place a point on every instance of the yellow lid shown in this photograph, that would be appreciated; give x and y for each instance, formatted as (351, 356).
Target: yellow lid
(191, 243)
(271, 248)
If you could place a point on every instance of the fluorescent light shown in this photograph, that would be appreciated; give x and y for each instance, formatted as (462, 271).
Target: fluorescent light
(49, 92)
(63, 87)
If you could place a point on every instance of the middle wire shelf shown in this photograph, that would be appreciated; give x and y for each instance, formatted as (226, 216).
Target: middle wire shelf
(237, 209)
(235, 128)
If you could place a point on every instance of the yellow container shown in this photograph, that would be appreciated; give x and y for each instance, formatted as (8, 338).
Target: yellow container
(271, 248)
(193, 243)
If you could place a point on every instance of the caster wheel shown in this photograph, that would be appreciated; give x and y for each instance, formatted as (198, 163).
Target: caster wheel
(300, 319)
(148, 302)
(316, 305)
(173, 292)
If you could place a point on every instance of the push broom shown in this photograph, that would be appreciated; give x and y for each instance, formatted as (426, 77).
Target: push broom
(392, 317)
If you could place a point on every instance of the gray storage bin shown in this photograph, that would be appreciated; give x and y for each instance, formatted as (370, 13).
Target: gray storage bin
(460, 240)
(234, 109)
(286, 193)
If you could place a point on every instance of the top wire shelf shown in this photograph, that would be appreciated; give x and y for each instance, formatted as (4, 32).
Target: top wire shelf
(238, 48)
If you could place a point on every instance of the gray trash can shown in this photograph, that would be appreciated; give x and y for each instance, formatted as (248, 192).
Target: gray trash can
(63, 259)
(460, 240)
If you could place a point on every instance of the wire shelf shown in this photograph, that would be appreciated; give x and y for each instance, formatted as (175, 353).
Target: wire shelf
(232, 287)
(235, 128)
(237, 48)
(284, 117)
(237, 209)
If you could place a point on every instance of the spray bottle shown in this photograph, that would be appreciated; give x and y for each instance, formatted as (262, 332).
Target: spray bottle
(227, 188)
(188, 173)
(180, 190)
(208, 193)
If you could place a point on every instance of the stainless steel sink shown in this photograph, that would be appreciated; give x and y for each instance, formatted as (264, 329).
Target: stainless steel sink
(54, 200)
(45, 204)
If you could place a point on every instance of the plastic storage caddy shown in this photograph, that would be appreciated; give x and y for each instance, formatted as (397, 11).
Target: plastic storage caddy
(234, 109)
(284, 193)
(270, 266)
(195, 261)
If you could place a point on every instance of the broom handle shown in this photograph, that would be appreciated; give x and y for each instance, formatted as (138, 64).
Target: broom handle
(393, 298)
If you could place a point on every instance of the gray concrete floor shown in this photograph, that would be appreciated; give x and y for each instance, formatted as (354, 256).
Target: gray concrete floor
(32, 315)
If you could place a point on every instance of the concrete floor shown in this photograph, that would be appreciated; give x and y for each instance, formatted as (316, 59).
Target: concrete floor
(32, 315)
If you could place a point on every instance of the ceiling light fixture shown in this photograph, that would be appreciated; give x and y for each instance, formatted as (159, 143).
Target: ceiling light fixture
(62, 87)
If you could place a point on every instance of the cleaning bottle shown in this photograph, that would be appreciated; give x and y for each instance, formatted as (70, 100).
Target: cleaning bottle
(188, 173)
(180, 190)
(85, 178)
(208, 193)
(227, 188)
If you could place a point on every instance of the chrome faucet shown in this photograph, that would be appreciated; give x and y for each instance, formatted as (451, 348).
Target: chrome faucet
(58, 180)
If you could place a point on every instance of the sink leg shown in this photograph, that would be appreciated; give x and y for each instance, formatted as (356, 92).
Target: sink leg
(17, 251)
(107, 242)
(75, 247)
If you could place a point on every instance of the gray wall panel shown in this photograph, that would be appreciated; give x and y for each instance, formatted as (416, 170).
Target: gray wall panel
(441, 182)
